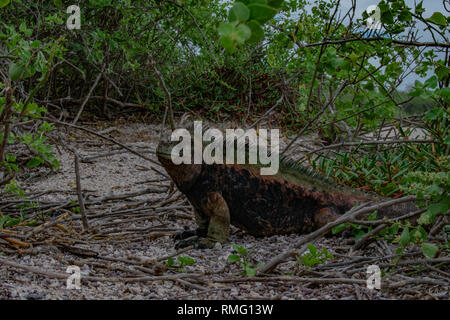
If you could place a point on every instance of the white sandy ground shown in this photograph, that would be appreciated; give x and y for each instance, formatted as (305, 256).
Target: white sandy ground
(125, 172)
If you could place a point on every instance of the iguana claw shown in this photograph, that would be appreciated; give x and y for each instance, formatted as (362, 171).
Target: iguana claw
(195, 241)
(191, 241)
(184, 234)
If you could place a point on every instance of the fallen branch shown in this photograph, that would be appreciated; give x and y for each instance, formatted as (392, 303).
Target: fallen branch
(79, 192)
(59, 275)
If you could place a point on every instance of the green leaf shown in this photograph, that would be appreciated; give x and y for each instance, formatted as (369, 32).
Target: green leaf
(433, 189)
(256, 30)
(429, 250)
(58, 3)
(438, 18)
(275, 3)
(404, 237)
(372, 216)
(339, 228)
(234, 258)
(41, 63)
(312, 249)
(271, 59)
(359, 235)
(447, 140)
(15, 71)
(23, 27)
(425, 218)
(36, 161)
(251, 272)
(3, 3)
(243, 33)
(405, 15)
(227, 43)
(239, 12)
(393, 229)
(431, 82)
(170, 262)
(226, 29)
(434, 114)
(444, 93)
(389, 188)
(387, 17)
(240, 249)
(419, 8)
(442, 72)
(35, 44)
(437, 208)
(261, 12)
(423, 232)
(10, 158)
(186, 261)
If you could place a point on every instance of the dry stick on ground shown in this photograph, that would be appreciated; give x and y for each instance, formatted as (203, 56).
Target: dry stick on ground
(403, 283)
(49, 224)
(382, 221)
(438, 226)
(292, 279)
(79, 193)
(331, 281)
(111, 153)
(14, 242)
(146, 261)
(93, 201)
(367, 236)
(89, 95)
(444, 260)
(350, 215)
(58, 275)
(381, 224)
(111, 140)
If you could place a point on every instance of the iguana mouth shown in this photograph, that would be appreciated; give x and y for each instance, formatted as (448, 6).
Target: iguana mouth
(163, 153)
(164, 149)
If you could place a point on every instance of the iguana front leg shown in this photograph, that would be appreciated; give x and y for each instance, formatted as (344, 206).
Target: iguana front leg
(201, 231)
(219, 222)
(215, 218)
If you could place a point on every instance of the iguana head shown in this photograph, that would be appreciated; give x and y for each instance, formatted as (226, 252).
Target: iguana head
(184, 175)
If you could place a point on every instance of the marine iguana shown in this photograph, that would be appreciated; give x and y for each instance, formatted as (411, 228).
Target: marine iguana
(295, 200)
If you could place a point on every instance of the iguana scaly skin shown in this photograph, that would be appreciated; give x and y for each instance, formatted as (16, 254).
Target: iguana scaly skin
(295, 200)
